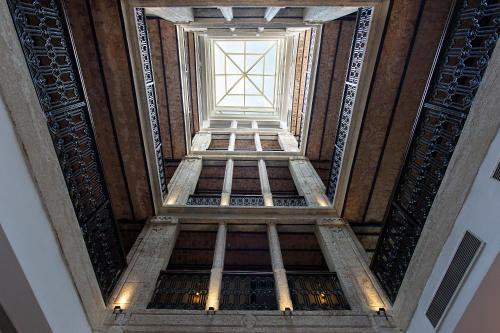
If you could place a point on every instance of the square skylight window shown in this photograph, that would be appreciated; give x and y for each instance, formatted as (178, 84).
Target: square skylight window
(245, 76)
(245, 73)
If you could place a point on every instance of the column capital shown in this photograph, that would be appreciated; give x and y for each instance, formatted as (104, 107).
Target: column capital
(161, 219)
(331, 221)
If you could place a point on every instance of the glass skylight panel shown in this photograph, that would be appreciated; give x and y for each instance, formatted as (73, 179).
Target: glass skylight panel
(245, 74)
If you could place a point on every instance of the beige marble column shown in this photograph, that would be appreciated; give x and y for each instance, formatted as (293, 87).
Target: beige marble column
(342, 252)
(288, 142)
(201, 141)
(258, 145)
(232, 141)
(307, 182)
(280, 280)
(228, 182)
(215, 284)
(149, 256)
(264, 184)
(184, 180)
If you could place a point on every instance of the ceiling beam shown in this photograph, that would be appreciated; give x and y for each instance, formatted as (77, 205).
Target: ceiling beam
(172, 14)
(271, 13)
(325, 14)
(227, 12)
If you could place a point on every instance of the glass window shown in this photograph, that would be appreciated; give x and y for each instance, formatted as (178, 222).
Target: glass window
(245, 74)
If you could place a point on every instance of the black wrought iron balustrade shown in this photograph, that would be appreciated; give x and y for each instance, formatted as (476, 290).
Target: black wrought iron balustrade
(246, 200)
(316, 291)
(289, 201)
(204, 200)
(248, 291)
(181, 290)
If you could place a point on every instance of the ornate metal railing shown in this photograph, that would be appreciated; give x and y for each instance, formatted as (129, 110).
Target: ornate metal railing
(246, 200)
(182, 290)
(316, 291)
(248, 291)
(349, 96)
(472, 35)
(46, 42)
(204, 200)
(289, 201)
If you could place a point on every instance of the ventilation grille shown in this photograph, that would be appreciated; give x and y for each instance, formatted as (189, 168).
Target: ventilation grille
(462, 260)
(496, 173)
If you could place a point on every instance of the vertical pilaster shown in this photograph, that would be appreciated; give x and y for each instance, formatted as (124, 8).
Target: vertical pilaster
(232, 141)
(234, 124)
(215, 284)
(184, 181)
(228, 182)
(201, 141)
(288, 142)
(264, 184)
(258, 145)
(151, 254)
(280, 280)
(307, 182)
(255, 125)
(342, 254)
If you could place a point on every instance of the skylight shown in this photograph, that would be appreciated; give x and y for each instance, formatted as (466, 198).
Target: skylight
(245, 73)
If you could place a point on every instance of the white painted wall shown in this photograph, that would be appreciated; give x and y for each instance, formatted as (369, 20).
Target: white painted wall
(481, 215)
(36, 253)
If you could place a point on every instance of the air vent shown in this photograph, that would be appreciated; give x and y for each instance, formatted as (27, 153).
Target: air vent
(462, 260)
(496, 173)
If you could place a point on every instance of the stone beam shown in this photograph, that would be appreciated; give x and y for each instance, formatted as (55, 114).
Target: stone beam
(184, 180)
(172, 14)
(227, 12)
(228, 182)
(325, 14)
(342, 254)
(308, 183)
(215, 284)
(282, 291)
(264, 184)
(201, 141)
(288, 142)
(271, 13)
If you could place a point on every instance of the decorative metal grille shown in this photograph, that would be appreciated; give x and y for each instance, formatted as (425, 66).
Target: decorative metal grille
(46, 43)
(248, 291)
(180, 290)
(470, 40)
(289, 201)
(316, 291)
(246, 200)
(312, 44)
(147, 67)
(349, 96)
(203, 200)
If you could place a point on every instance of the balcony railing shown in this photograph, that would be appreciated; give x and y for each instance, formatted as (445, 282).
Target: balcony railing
(204, 200)
(246, 200)
(316, 291)
(182, 290)
(289, 201)
(248, 291)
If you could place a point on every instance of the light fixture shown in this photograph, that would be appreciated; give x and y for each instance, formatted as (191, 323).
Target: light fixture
(211, 311)
(260, 29)
(117, 311)
(287, 312)
(232, 29)
(382, 310)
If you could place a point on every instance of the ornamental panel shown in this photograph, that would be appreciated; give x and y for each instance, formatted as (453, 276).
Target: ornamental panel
(470, 40)
(349, 97)
(46, 43)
